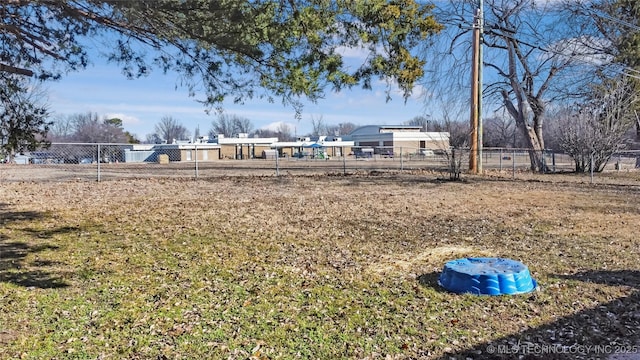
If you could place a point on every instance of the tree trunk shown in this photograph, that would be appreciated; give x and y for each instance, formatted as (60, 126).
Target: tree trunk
(533, 138)
(536, 152)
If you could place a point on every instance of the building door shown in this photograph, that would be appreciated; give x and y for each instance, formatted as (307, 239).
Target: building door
(423, 144)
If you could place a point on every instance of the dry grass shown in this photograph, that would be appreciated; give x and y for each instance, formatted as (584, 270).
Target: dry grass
(312, 267)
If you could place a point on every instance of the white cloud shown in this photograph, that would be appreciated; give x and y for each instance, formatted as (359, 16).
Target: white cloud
(275, 126)
(585, 49)
(127, 120)
(359, 52)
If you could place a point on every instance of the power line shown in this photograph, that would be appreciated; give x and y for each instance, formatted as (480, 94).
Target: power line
(626, 71)
(619, 21)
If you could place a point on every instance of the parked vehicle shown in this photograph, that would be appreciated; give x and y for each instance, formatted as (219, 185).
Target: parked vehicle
(363, 153)
(301, 155)
(386, 153)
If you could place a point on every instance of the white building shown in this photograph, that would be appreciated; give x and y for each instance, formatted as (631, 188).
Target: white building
(398, 138)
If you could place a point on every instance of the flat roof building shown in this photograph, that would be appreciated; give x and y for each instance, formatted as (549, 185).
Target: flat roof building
(398, 138)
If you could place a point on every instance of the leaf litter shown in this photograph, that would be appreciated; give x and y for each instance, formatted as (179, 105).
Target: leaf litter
(320, 267)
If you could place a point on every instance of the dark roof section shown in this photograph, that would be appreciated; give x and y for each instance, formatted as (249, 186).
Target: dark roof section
(376, 129)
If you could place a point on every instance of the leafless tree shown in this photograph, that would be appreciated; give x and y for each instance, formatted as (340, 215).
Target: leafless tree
(264, 133)
(452, 120)
(592, 132)
(223, 125)
(499, 131)
(242, 124)
(531, 59)
(230, 124)
(284, 132)
(89, 127)
(319, 126)
(346, 128)
(62, 129)
(422, 121)
(616, 26)
(86, 127)
(169, 129)
(340, 129)
(153, 139)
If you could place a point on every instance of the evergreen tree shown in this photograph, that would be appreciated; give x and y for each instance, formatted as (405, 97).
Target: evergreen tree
(23, 118)
(226, 49)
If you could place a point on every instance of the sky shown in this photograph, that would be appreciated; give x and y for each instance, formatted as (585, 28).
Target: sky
(102, 88)
(140, 103)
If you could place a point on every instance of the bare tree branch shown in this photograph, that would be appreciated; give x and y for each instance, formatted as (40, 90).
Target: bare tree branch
(15, 70)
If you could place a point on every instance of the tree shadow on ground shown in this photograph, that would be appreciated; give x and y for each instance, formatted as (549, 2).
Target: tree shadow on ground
(609, 328)
(431, 280)
(13, 254)
(383, 178)
(13, 216)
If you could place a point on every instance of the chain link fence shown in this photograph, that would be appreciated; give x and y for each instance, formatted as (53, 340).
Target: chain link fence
(99, 162)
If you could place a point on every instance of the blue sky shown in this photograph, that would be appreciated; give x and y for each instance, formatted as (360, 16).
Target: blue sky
(141, 103)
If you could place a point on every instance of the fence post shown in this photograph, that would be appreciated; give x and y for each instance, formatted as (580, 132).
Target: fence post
(451, 158)
(401, 160)
(553, 160)
(500, 161)
(344, 162)
(195, 150)
(513, 166)
(591, 166)
(277, 163)
(98, 158)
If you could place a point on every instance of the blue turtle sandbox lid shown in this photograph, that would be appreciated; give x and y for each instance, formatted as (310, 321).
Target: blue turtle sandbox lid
(486, 276)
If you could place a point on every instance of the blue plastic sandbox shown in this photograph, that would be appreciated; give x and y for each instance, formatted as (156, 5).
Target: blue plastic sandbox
(486, 276)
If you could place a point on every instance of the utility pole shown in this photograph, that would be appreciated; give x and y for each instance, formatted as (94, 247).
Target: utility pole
(480, 21)
(475, 155)
(473, 143)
